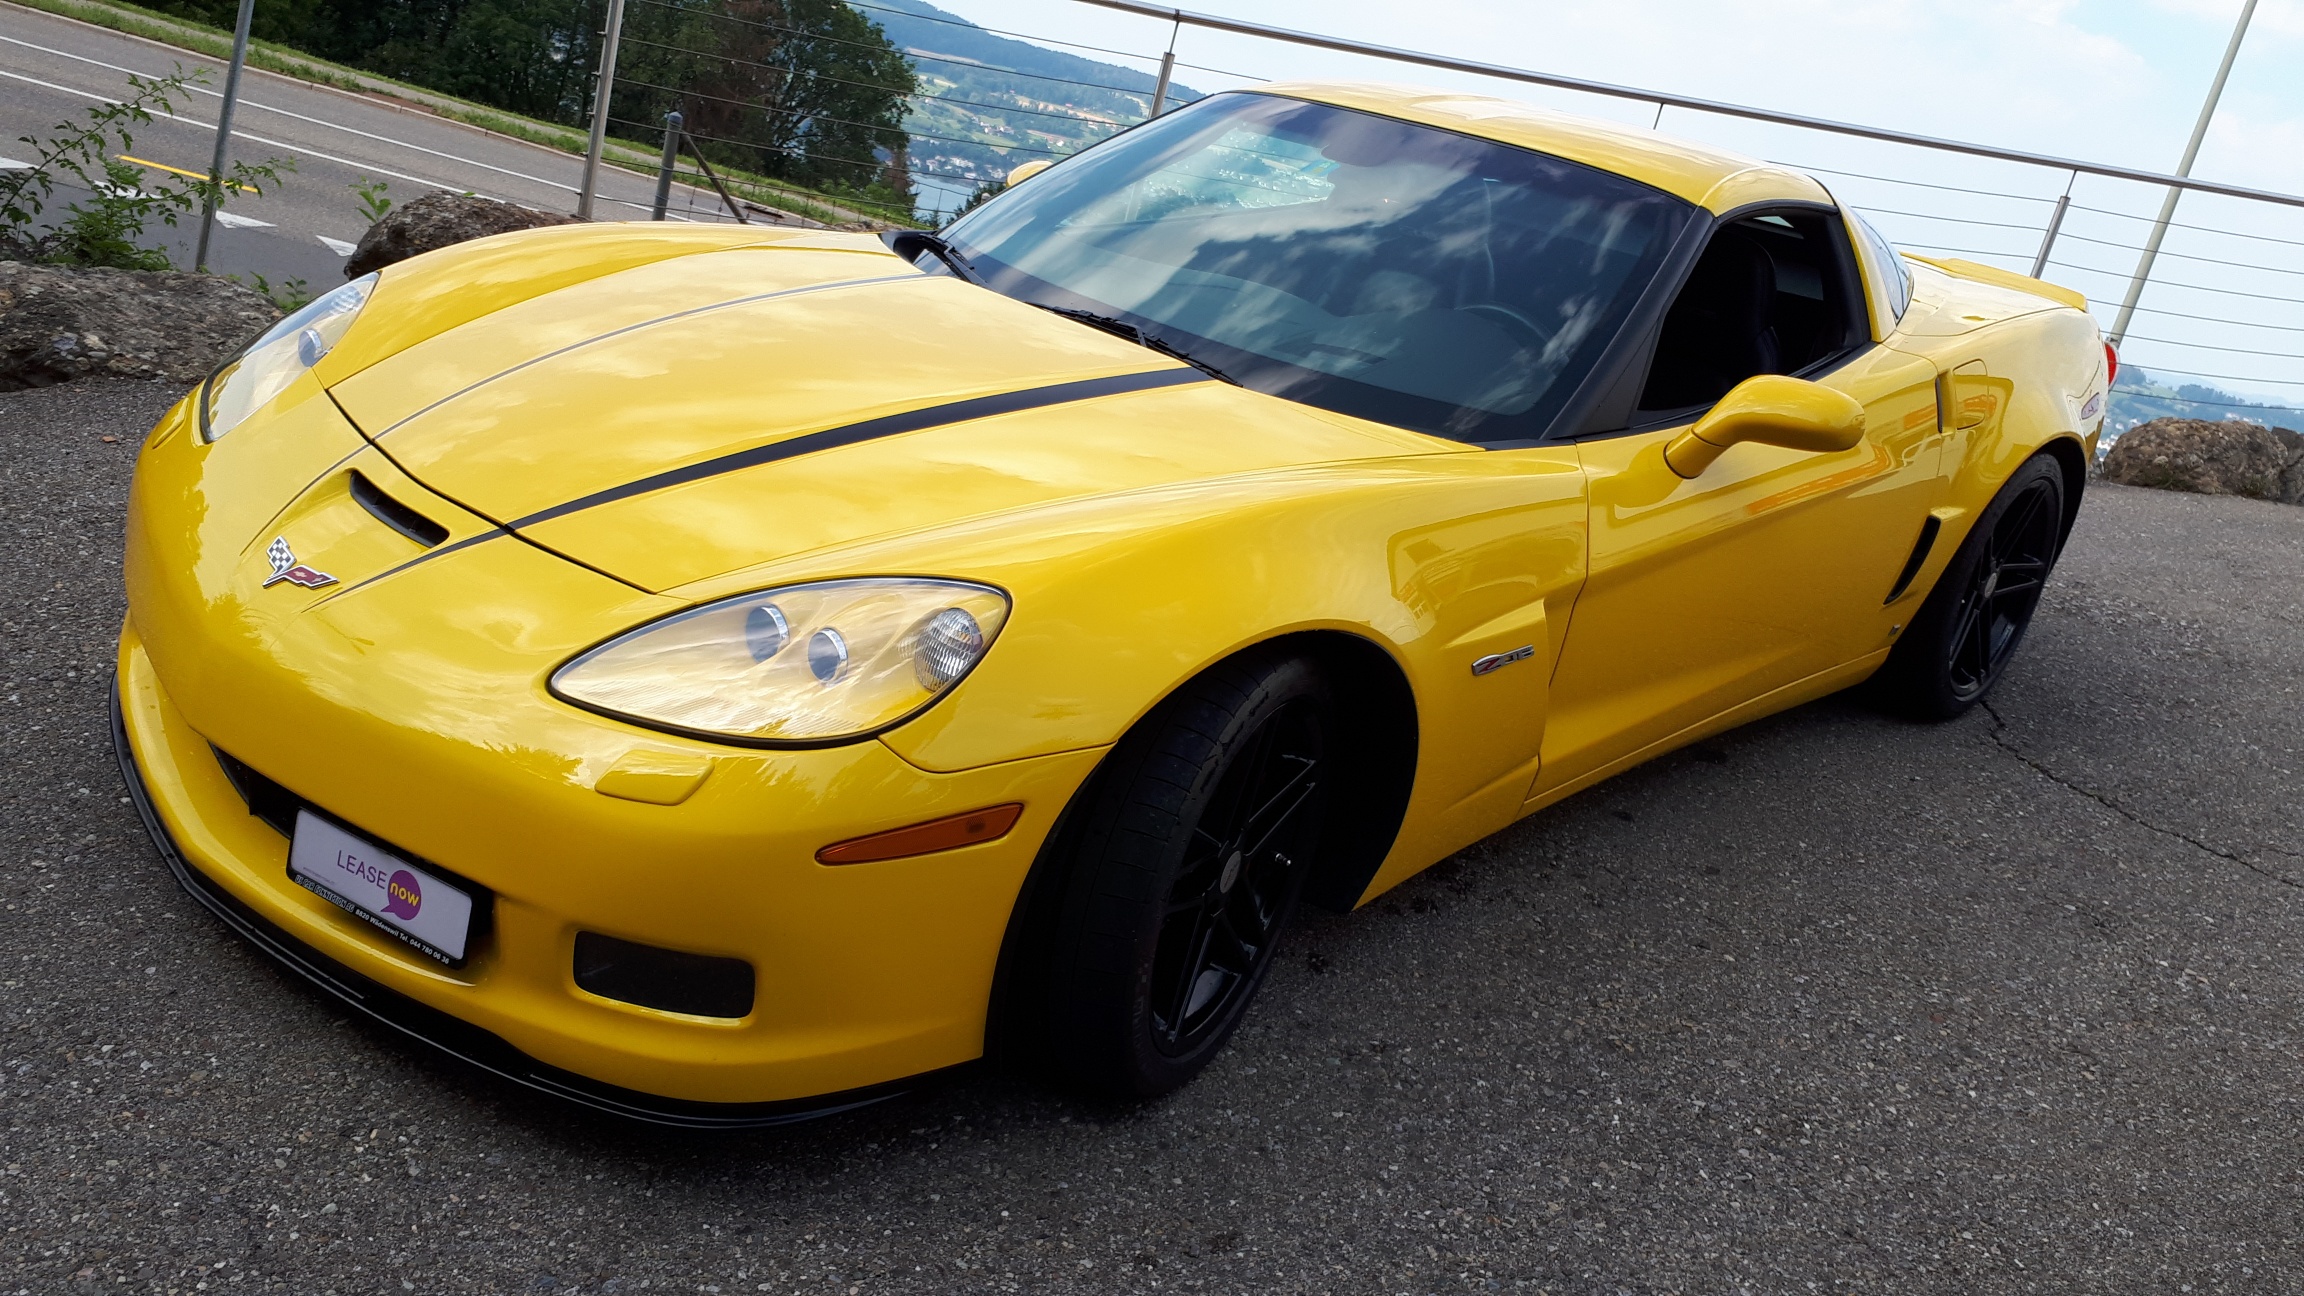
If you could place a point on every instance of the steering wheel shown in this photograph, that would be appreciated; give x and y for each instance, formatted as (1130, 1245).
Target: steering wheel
(1528, 331)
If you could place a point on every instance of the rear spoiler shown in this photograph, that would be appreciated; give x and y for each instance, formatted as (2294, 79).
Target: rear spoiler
(1999, 278)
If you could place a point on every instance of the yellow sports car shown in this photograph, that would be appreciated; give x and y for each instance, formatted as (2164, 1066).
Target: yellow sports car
(718, 675)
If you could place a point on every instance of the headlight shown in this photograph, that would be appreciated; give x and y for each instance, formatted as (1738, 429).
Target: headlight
(280, 357)
(797, 666)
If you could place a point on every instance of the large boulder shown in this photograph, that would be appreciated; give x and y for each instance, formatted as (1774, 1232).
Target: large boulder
(438, 220)
(59, 323)
(2222, 457)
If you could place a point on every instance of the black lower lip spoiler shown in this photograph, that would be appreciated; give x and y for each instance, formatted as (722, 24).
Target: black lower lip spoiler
(458, 1038)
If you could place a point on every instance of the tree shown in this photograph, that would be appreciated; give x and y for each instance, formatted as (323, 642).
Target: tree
(806, 90)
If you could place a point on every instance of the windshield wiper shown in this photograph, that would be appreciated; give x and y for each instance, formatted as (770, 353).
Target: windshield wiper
(1149, 341)
(910, 243)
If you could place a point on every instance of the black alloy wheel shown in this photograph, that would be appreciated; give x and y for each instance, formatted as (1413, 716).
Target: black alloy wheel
(1241, 873)
(1969, 628)
(2003, 588)
(1152, 917)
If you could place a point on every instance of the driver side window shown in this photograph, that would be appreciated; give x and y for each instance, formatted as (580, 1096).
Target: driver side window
(1772, 294)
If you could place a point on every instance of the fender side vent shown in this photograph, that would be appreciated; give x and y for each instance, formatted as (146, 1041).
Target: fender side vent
(701, 985)
(1927, 541)
(395, 514)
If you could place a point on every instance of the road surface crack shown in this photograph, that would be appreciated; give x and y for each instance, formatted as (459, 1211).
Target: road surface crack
(2001, 740)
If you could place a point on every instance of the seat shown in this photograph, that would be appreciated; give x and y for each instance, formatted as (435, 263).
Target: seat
(1718, 332)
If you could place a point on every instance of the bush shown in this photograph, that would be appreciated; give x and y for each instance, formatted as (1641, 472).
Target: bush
(104, 228)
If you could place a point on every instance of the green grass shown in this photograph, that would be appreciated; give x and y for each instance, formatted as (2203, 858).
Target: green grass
(185, 34)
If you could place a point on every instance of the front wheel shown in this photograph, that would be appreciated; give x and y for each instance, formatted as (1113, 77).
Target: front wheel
(1968, 630)
(1191, 848)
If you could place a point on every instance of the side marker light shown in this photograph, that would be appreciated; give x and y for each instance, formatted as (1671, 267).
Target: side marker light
(950, 833)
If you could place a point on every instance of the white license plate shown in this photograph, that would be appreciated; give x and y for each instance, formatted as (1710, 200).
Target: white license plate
(372, 883)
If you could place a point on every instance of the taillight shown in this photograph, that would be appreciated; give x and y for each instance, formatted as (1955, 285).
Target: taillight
(2111, 365)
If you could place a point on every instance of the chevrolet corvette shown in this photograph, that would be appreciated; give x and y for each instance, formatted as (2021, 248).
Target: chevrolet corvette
(721, 675)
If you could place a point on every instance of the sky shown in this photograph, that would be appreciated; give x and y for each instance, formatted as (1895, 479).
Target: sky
(2113, 81)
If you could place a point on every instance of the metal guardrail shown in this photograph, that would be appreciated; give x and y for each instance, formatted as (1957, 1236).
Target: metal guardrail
(1187, 18)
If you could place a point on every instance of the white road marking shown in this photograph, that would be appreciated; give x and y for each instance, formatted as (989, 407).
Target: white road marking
(237, 221)
(11, 164)
(316, 121)
(337, 246)
(237, 134)
(307, 152)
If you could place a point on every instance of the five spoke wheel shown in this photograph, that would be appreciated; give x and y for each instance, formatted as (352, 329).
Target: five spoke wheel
(2004, 588)
(1238, 877)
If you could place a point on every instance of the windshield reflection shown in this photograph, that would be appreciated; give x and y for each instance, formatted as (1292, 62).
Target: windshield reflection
(1378, 268)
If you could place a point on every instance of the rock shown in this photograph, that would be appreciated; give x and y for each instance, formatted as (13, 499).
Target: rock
(59, 323)
(2223, 457)
(437, 220)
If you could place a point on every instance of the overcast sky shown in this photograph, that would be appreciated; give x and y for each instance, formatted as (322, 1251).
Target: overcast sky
(2116, 81)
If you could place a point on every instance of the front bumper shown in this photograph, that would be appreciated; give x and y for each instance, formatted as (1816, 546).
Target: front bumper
(812, 1042)
(408, 703)
(459, 1039)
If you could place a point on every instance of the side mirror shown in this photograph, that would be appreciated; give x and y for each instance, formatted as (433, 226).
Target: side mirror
(1772, 410)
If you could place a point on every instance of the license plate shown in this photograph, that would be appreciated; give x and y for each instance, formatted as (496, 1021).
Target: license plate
(374, 885)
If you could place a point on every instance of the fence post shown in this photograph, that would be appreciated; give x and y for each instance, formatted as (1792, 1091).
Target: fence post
(224, 130)
(1167, 72)
(2168, 204)
(602, 91)
(1160, 91)
(672, 123)
(2055, 223)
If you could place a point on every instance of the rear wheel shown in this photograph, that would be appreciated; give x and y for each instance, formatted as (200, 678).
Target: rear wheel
(1968, 630)
(1172, 888)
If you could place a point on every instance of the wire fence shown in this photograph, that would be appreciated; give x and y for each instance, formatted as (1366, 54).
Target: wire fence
(2228, 310)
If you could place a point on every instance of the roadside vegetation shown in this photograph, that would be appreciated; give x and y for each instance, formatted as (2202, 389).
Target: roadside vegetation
(84, 199)
(799, 104)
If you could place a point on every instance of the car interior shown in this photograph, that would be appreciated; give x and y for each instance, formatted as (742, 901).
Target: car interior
(1772, 294)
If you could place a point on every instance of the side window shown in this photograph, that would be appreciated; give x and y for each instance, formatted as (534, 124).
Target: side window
(1772, 294)
(1884, 267)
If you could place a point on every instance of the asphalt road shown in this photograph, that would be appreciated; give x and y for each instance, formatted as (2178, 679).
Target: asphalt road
(1832, 1003)
(52, 69)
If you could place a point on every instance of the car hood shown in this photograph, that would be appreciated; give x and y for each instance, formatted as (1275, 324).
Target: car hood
(687, 418)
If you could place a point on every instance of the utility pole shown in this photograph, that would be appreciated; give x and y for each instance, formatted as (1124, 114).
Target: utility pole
(2191, 151)
(601, 93)
(224, 131)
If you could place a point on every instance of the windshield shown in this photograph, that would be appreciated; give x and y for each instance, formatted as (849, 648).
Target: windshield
(1361, 264)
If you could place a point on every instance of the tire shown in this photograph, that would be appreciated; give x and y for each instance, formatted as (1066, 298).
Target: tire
(1168, 889)
(1972, 622)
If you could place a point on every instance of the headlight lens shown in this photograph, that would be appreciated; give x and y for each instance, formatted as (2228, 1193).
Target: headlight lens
(800, 665)
(281, 356)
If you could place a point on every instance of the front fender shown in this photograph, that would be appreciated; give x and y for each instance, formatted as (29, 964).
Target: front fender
(1439, 560)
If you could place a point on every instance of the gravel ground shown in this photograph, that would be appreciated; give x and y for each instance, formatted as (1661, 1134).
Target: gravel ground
(1829, 1003)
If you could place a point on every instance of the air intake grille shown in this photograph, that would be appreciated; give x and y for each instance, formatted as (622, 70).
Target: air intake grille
(698, 984)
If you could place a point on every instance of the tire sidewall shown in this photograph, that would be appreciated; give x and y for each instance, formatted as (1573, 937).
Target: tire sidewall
(1919, 672)
(1101, 1024)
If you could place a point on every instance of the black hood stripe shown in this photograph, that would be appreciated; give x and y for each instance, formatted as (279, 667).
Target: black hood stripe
(730, 304)
(918, 420)
(829, 439)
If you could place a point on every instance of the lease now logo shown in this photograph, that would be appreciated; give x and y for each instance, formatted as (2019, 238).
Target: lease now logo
(403, 895)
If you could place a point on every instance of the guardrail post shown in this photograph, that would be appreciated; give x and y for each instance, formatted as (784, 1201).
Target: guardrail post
(672, 123)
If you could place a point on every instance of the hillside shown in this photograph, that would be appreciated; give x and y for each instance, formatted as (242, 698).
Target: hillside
(2140, 399)
(989, 103)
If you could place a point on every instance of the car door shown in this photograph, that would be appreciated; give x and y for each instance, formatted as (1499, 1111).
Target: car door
(1772, 565)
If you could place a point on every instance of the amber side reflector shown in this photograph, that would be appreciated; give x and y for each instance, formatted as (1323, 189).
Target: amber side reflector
(989, 824)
